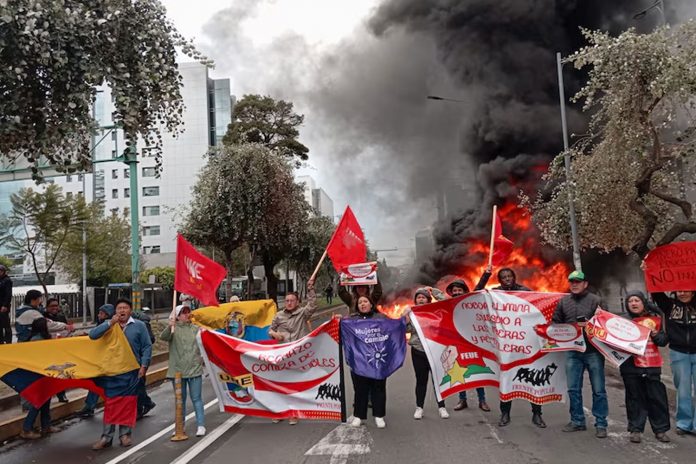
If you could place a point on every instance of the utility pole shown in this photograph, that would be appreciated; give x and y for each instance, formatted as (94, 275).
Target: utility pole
(131, 159)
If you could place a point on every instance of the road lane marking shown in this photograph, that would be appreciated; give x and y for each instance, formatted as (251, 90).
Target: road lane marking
(156, 436)
(341, 443)
(196, 449)
(492, 429)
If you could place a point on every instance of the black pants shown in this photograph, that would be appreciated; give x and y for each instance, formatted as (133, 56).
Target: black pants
(646, 398)
(365, 389)
(506, 406)
(5, 328)
(144, 400)
(422, 368)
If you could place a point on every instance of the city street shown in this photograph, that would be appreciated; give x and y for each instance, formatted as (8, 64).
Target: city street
(468, 436)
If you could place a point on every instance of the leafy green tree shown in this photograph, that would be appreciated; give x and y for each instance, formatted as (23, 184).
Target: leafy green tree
(107, 244)
(40, 225)
(55, 54)
(269, 122)
(7, 262)
(308, 250)
(164, 275)
(631, 168)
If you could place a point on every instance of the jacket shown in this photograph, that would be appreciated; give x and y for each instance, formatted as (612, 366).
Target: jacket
(348, 297)
(6, 292)
(58, 317)
(26, 315)
(184, 354)
(137, 337)
(293, 324)
(414, 340)
(571, 307)
(487, 275)
(680, 322)
(629, 367)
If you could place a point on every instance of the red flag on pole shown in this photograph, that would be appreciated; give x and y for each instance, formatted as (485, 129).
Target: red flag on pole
(347, 245)
(502, 247)
(196, 274)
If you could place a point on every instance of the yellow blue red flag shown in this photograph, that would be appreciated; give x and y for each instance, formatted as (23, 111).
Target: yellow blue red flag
(248, 320)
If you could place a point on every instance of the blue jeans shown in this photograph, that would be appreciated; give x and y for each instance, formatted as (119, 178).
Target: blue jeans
(109, 429)
(576, 364)
(91, 401)
(44, 410)
(480, 392)
(684, 372)
(195, 386)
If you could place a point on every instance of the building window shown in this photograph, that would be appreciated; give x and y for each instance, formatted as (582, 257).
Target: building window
(151, 210)
(149, 172)
(114, 193)
(150, 191)
(126, 193)
(151, 230)
(151, 250)
(68, 178)
(114, 173)
(113, 135)
(79, 177)
(126, 174)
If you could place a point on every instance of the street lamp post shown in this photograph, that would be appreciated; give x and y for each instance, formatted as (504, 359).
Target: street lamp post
(131, 159)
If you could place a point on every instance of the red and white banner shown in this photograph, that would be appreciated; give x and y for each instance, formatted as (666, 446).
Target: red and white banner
(618, 332)
(487, 338)
(561, 337)
(652, 356)
(299, 379)
(359, 274)
(671, 267)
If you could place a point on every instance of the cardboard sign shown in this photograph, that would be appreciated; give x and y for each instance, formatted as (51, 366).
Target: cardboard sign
(560, 337)
(614, 356)
(359, 274)
(617, 332)
(652, 356)
(671, 267)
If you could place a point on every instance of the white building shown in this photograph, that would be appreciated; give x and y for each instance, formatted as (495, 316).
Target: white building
(317, 198)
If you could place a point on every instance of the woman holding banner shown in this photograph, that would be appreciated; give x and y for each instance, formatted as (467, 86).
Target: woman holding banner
(680, 313)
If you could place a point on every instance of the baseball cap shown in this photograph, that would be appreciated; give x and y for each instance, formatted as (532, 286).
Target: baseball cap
(576, 275)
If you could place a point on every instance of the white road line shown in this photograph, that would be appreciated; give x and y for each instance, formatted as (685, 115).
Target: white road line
(196, 449)
(156, 436)
(493, 430)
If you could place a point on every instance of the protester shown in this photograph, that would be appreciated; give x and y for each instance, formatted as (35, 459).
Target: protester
(5, 306)
(579, 307)
(421, 366)
(54, 313)
(139, 341)
(351, 298)
(30, 311)
(365, 388)
(646, 395)
(38, 331)
(290, 324)
(185, 358)
(680, 313)
(234, 299)
(145, 403)
(104, 313)
(458, 288)
(329, 291)
(508, 282)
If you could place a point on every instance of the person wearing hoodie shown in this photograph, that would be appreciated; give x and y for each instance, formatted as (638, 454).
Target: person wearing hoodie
(350, 298)
(365, 388)
(185, 357)
(646, 395)
(680, 315)
(105, 313)
(29, 312)
(454, 289)
(421, 366)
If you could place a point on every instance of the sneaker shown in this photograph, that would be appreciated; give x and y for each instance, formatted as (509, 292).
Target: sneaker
(146, 409)
(200, 431)
(443, 413)
(355, 422)
(418, 415)
(29, 435)
(601, 432)
(483, 406)
(461, 405)
(662, 437)
(380, 422)
(50, 430)
(293, 421)
(634, 437)
(276, 421)
(681, 432)
(570, 427)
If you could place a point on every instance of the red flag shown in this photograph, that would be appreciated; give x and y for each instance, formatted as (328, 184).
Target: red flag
(502, 247)
(196, 274)
(347, 245)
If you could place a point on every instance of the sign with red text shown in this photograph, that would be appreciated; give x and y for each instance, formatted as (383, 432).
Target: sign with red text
(560, 337)
(278, 381)
(652, 356)
(671, 267)
(614, 356)
(487, 338)
(618, 332)
(359, 274)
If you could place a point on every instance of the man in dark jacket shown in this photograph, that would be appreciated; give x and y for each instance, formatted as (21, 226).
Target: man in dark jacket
(54, 312)
(5, 305)
(646, 395)
(578, 308)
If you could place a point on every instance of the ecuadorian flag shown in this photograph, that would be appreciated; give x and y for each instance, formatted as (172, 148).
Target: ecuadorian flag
(40, 369)
(248, 320)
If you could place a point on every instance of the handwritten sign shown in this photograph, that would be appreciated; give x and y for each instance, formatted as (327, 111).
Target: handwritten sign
(671, 267)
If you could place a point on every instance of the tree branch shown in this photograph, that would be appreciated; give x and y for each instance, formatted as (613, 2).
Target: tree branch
(683, 204)
(650, 223)
(676, 230)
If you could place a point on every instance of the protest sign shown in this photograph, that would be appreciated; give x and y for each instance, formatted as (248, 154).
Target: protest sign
(560, 337)
(374, 348)
(359, 274)
(671, 267)
(618, 332)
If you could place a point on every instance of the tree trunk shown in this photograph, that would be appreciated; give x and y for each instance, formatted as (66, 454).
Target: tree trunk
(250, 273)
(271, 279)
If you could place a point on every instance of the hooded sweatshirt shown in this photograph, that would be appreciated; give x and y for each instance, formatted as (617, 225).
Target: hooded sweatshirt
(636, 365)
(414, 340)
(27, 314)
(680, 322)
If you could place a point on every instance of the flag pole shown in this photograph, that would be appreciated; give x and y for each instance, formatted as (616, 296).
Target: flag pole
(321, 261)
(342, 379)
(173, 310)
(490, 253)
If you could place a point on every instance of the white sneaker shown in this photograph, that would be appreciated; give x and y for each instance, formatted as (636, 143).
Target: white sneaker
(444, 414)
(380, 422)
(418, 415)
(200, 431)
(355, 422)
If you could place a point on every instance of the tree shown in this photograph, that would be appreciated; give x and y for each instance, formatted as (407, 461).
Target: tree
(7, 262)
(56, 53)
(164, 275)
(40, 225)
(306, 253)
(108, 240)
(243, 197)
(271, 123)
(629, 170)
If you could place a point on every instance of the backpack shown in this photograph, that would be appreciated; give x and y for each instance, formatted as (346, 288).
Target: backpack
(144, 318)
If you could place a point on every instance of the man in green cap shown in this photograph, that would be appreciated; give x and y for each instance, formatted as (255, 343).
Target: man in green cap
(579, 307)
